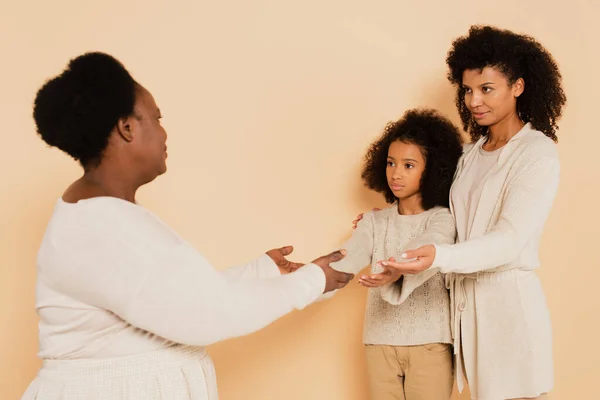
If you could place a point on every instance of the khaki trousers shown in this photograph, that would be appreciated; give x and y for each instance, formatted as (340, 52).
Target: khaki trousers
(422, 372)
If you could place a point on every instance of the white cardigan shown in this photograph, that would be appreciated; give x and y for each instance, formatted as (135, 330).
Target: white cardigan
(501, 324)
(514, 205)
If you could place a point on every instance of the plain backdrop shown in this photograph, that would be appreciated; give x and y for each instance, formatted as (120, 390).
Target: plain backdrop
(270, 106)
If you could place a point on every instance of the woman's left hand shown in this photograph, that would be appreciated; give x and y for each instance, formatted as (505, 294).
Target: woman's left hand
(278, 256)
(420, 259)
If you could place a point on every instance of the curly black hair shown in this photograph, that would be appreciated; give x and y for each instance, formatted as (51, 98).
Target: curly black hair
(77, 110)
(441, 145)
(516, 56)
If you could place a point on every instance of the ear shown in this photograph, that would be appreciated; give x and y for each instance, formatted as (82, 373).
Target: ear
(518, 87)
(125, 128)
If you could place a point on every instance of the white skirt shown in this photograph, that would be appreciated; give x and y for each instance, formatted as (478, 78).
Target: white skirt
(175, 373)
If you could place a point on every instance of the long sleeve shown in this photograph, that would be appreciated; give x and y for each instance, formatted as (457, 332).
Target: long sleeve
(440, 229)
(359, 249)
(259, 268)
(126, 261)
(524, 210)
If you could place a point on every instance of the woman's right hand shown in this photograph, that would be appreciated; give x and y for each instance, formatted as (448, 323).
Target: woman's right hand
(359, 217)
(333, 279)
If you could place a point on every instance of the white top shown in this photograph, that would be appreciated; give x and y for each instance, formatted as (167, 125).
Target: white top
(114, 280)
(417, 310)
(470, 186)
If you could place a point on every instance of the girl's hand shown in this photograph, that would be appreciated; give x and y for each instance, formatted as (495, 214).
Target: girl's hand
(420, 259)
(383, 278)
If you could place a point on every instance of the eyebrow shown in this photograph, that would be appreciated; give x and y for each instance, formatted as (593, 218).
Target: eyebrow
(483, 84)
(404, 159)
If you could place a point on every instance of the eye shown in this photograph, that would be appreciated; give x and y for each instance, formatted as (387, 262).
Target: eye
(390, 164)
(408, 166)
(467, 90)
(486, 89)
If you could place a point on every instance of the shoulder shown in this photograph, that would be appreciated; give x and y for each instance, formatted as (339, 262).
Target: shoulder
(440, 215)
(129, 223)
(468, 146)
(382, 214)
(533, 146)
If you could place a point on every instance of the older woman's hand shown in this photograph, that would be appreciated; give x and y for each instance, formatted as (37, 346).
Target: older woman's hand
(278, 256)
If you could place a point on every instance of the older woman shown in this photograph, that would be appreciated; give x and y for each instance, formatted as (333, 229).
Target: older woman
(125, 304)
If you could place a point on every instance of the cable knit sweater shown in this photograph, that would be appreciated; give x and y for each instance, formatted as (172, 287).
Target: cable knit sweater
(416, 311)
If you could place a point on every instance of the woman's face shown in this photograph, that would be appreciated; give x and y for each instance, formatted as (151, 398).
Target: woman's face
(489, 96)
(150, 139)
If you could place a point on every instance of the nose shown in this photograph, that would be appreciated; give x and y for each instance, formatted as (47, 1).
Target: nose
(474, 99)
(397, 174)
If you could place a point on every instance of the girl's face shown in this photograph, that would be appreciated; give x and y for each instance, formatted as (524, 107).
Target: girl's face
(489, 96)
(405, 166)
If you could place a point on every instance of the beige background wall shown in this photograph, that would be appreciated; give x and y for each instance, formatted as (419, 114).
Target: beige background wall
(269, 106)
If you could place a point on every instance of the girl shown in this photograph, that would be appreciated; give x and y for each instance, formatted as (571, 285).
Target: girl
(407, 323)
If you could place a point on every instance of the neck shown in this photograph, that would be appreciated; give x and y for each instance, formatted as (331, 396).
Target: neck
(103, 181)
(410, 205)
(502, 131)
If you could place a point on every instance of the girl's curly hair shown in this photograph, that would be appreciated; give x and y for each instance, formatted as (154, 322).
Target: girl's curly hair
(441, 145)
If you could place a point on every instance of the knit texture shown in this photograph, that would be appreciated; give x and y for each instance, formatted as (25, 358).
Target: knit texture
(417, 310)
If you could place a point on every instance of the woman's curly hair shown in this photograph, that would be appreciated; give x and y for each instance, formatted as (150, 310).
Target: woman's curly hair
(77, 110)
(441, 145)
(516, 56)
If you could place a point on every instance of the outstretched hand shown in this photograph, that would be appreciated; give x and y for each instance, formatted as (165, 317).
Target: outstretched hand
(383, 278)
(279, 258)
(333, 279)
(418, 260)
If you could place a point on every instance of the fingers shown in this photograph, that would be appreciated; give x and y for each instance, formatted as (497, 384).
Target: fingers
(368, 282)
(375, 280)
(293, 266)
(335, 256)
(410, 254)
(424, 251)
(343, 278)
(286, 250)
(393, 265)
(410, 267)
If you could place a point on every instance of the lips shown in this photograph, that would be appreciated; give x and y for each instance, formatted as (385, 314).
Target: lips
(479, 115)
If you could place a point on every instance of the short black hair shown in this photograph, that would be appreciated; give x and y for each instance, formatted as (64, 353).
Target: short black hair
(441, 145)
(77, 110)
(516, 56)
